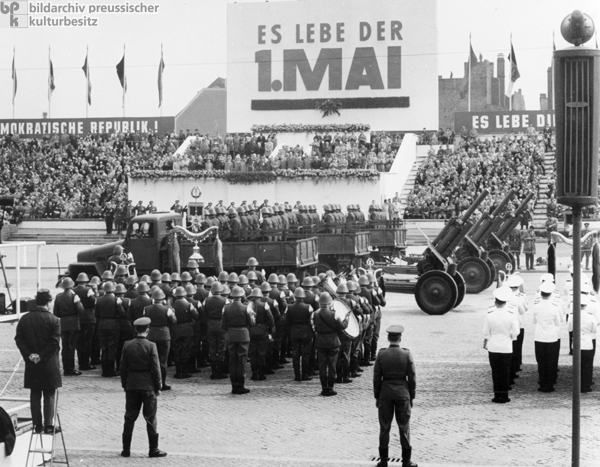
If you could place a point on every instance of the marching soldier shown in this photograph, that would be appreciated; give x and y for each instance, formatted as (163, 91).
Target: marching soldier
(162, 317)
(366, 294)
(141, 379)
(519, 301)
(108, 309)
(252, 264)
(343, 363)
(378, 301)
(194, 361)
(278, 296)
(299, 325)
(260, 334)
(235, 226)
(130, 283)
(125, 327)
(235, 322)
(137, 305)
(394, 385)
(327, 342)
(182, 332)
(500, 329)
(216, 337)
(68, 307)
(87, 321)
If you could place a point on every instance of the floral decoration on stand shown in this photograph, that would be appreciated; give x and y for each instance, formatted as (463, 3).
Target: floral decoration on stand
(310, 128)
(330, 107)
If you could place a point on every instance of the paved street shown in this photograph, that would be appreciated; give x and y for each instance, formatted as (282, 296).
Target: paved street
(285, 423)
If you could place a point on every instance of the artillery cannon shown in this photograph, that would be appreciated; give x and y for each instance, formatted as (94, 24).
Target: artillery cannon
(436, 284)
(498, 250)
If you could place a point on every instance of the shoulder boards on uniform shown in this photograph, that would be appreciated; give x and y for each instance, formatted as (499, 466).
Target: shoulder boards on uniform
(520, 294)
(492, 308)
(404, 348)
(537, 300)
(511, 308)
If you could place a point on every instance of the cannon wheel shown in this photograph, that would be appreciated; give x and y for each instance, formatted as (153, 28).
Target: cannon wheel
(436, 292)
(476, 274)
(513, 261)
(493, 271)
(462, 287)
(500, 259)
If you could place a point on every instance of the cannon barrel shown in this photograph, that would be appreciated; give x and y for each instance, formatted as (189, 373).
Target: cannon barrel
(488, 224)
(523, 205)
(504, 203)
(512, 220)
(474, 206)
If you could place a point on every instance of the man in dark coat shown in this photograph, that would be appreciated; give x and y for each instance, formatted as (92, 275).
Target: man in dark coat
(141, 380)
(394, 385)
(38, 340)
(69, 309)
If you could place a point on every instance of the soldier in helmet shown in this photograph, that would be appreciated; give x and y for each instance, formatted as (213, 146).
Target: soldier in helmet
(162, 318)
(165, 285)
(87, 321)
(278, 296)
(125, 327)
(193, 364)
(252, 264)
(121, 274)
(108, 309)
(130, 284)
(68, 307)
(260, 334)
(327, 342)
(137, 304)
(343, 363)
(213, 307)
(367, 297)
(266, 226)
(182, 332)
(359, 309)
(236, 322)
(299, 325)
(272, 362)
(244, 223)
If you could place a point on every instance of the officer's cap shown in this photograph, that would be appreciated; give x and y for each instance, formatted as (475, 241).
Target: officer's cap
(585, 300)
(547, 287)
(585, 288)
(503, 294)
(514, 281)
(143, 321)
(547, 278)
(395, 329)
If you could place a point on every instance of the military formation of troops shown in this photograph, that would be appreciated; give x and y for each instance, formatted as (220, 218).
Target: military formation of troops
(504, 332)
(197, 321)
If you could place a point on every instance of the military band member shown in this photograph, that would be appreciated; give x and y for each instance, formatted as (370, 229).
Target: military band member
(343, 363)
(367, 295)
(378, 302)
(260, 334)
(141, 380)
(182, 332)
(394, 386)
(547, 319)
(500, 329)
(299, 324)
(213, 307)
(108, 309)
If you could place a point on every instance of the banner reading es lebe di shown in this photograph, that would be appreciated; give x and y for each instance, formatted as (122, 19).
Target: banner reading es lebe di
(37, 128)
(376, 57)
(503, 122)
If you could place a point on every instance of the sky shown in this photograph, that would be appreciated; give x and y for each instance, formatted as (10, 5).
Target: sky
(193, 35)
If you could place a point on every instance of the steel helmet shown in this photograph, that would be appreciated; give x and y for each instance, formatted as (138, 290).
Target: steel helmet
(166, 278)
(342, 288)
(232, 212)
(185, 277)
(117, 250)
(280, 208)
(265, 210)
(143, 288)
(240, 210)
(190, 289)
(145, 278)
(299, 293)
(282, 280)
(363, 281)
(220, 210)
(325, 299)
(82, 277)
(265, 287)
(107, 275)
(226, 290)
(326, 208)
(273, 279)
(179, 292)
(108, 287)
(67, 283)
(155, 275)
(223, 276)
(95, 281)
(200, 279)
(291, 277)
(307, 282)
(216, 288)
(120, 289)
(131, 280)
(322, 276)
(237, 292)
(192, 264)
(175, 277)
(209, 282)
(256, 293)
(316, 281)
(252, 276)
(352, 286)
(121, 270)
(252, 261)
(233, 278)
(302, 208)
(158, 294)
(211, 212)
(243, 280)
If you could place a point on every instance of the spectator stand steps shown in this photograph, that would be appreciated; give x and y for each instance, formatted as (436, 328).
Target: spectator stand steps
(539, 213)
(410, 182)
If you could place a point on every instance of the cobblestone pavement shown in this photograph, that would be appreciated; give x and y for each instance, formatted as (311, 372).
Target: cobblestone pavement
(284, 423)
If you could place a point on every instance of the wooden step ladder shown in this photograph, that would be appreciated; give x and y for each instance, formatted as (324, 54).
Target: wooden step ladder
(41, 449)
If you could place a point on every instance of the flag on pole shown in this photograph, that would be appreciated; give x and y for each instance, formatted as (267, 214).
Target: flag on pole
(161, 67)
(86, 72)
(51, 86)
(14, 77)
(464, 86)
(121, 73)
(514, 69)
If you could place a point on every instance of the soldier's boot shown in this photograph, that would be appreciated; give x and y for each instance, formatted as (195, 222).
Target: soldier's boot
(126, 444)
(241, 388)
(154, 451)
(261, 373)
(297, 376)
(366, 361)
(177, 371)
(383, 457)
(406, 455)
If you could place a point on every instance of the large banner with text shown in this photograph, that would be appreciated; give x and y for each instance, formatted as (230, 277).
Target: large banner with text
(503, 122)
(37, 128)
(309, 61)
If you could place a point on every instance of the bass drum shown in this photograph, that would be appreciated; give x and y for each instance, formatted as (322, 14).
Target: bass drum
(341, 310)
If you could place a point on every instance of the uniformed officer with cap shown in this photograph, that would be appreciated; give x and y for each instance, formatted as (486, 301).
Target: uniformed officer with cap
(500, 329)
(141, 380)
(519, 300)
(394, 385)
(547, 319)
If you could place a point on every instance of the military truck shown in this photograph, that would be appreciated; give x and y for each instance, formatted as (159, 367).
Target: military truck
(149, 240)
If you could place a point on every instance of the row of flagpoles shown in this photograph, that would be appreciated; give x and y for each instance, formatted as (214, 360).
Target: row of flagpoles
(86, 71)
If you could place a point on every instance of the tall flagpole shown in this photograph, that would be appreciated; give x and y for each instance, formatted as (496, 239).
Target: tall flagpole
(162, 78)
(87, 79)
(552, 78)
(469, 82)
(124, 80)
(49, 89)
(510, 75)
(14, 74)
